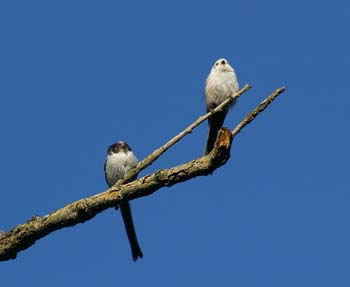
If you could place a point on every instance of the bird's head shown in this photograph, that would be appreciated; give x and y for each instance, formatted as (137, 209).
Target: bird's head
(222, 65)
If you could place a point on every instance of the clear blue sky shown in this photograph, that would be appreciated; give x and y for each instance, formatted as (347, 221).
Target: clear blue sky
(76, 76)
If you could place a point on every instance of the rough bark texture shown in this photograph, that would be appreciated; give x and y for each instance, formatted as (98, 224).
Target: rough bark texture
(25, 235)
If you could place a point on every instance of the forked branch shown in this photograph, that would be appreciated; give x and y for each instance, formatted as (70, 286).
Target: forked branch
(23, 236)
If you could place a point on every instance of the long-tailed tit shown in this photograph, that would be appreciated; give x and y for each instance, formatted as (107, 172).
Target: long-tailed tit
(220, 84)
(120, 159)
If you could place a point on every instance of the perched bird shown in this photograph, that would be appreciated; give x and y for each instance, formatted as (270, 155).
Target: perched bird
(120, 159)
(220, 84)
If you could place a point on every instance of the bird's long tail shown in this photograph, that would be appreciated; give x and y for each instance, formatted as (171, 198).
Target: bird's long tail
(215, 124)
(130, 230)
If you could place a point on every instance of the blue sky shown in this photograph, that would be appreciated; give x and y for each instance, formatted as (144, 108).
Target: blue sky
(77, 76)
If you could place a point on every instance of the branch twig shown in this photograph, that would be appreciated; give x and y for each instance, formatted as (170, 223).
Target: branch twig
(253, 114)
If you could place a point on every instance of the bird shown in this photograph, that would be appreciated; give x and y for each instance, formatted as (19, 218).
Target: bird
(120, 159)
(221, 83)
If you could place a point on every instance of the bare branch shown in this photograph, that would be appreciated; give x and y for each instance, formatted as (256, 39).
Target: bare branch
(25, 235)
(261, 107)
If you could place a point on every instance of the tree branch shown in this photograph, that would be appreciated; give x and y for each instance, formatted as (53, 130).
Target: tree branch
(261, 107)
(25, 235)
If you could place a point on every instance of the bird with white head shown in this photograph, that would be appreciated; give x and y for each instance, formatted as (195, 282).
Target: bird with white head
(220, 84)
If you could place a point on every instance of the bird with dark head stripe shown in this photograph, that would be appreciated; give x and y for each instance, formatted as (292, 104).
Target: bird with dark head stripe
(120, 159)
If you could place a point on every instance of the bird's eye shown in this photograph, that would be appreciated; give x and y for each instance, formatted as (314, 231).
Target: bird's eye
(223, 62)
(217, 63)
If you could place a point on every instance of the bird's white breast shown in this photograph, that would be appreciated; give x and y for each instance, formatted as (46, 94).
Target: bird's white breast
(118, 164)
(219, 86)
